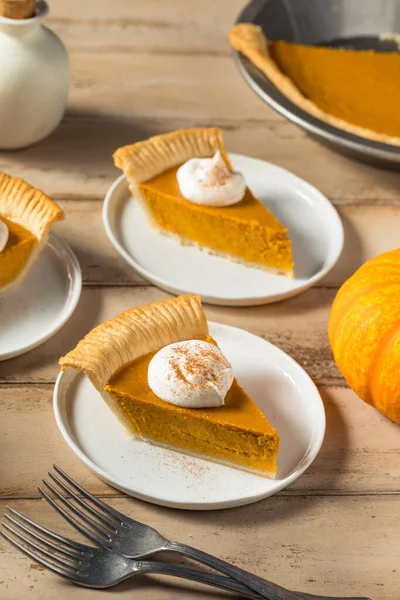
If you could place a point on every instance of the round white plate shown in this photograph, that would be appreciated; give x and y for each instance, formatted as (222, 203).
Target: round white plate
(36, 309)
(314, 227)
(281, 388)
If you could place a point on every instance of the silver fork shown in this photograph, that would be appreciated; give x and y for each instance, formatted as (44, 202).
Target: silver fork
(116, 532)
(96, 567)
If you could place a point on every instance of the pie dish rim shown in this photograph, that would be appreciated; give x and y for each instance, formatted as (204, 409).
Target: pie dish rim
(252, 44)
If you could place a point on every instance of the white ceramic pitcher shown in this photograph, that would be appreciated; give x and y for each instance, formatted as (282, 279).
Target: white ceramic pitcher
(34, 80)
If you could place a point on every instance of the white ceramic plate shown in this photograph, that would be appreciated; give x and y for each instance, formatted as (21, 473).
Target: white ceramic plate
(281, 388)
(314, 227)
(35, 310)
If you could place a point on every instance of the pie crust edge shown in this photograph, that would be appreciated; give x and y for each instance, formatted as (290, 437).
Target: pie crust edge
(250, 40)
(134, 333)
(147, 159)
(31, 208)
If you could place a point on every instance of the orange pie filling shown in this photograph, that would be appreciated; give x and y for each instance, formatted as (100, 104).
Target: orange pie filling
(357, 86)
(236, 431)
(245, 230)
(17, 251)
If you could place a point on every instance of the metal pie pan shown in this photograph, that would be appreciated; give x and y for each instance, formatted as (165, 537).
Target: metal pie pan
(330, 22)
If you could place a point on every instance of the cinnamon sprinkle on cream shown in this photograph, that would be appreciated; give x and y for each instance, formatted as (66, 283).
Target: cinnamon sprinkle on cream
(190, 374)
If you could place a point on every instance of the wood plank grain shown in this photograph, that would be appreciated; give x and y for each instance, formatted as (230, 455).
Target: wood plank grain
(153, 10)
(135, 84)
(359, 454)
(298, 326)
(369, 230)
(333, 546)
(76, 160)
(100, 262)
(156, 26)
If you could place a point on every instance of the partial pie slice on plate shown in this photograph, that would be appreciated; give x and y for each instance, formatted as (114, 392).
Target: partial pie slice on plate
(357, 91)
(26, 215)
(115, 356)
(244, 231)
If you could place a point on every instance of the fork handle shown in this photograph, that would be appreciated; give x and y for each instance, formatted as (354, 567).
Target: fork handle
(263, 587)
(218, 581)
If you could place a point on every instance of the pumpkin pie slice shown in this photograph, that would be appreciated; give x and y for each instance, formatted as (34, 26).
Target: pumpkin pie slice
(115, 356)
(357, 91)
(26, 215)
(244, 232)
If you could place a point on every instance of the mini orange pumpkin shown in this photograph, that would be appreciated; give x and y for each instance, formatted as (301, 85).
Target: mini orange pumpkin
(364, 333)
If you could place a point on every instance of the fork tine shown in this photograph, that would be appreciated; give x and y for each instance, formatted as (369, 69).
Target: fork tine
(58, 548)
(81, 515)
(72, 521)
(39, 559)
(50, 534)
(66, 563)
(101, 516)
(111, 511)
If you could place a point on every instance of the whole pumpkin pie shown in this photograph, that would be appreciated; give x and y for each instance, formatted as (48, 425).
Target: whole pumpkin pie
(355, 90)
(26, 215)
(165, 348)
(221, 215)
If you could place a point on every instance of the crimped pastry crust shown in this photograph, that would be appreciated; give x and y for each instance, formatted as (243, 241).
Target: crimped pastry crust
(134, 333)
(250, 40)
(28, 206)
(31, 208)
(144, 160)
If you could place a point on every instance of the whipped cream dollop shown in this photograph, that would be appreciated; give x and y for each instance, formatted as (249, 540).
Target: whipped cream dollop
(3, 235)
(191, 374)
(208, 181)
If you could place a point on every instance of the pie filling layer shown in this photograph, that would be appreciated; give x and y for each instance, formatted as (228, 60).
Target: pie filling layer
(361, 87)
(246, 230)
(17, 251)
(237, 431)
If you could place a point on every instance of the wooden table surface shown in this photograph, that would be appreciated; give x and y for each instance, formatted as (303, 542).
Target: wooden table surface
(140, 68)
